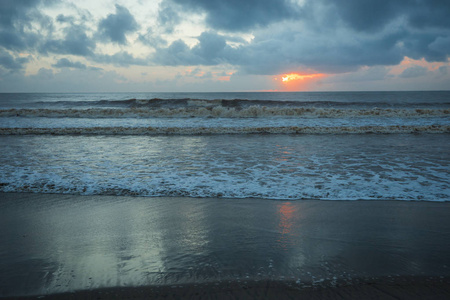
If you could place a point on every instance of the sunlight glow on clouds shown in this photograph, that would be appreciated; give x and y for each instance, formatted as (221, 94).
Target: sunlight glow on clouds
(139, 45)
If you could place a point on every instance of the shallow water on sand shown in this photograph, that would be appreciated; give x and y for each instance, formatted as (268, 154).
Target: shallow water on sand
(56, 243)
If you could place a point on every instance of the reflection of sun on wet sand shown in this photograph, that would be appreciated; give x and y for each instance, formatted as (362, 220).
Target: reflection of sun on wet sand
(287, 218)
(90, 247)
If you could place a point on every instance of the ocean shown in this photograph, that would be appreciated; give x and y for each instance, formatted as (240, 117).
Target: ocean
(225, 195)
(283, 146)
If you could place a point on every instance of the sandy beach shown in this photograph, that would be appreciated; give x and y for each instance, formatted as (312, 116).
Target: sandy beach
(109, 247)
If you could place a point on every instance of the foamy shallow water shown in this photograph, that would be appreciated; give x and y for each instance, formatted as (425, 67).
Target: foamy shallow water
(329, 167)
(217, 123)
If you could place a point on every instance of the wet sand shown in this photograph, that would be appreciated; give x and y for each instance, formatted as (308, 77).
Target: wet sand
(401, 288)
(105, 247)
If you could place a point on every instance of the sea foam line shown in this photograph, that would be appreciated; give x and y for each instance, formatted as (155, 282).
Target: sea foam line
(223, 112)
(226, 130)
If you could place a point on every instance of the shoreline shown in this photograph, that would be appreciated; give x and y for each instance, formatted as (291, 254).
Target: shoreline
(55, 246)
(383, 288)
(31, 194)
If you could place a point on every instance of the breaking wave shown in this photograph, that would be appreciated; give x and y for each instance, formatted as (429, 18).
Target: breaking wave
(227, 130)
(212, 111)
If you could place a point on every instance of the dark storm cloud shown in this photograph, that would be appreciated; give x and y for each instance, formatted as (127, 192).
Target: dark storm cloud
(15, 18)
(238, 15)
(115, 26)
(13, 10)
(367, 15)
(285, 50)
(429, 14)
(323, 35)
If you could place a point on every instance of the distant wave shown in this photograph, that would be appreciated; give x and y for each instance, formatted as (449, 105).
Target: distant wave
(237, 103)
(254, 111)
(226, 130)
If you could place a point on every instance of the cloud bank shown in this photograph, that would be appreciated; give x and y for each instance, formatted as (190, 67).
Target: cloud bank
(255, 37)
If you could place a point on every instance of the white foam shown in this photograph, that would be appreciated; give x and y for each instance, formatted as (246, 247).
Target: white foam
(309, 167)
(395, 129)
(209, 110)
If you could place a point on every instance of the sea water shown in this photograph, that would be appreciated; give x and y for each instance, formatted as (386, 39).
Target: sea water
(224, 189)
(286, 146)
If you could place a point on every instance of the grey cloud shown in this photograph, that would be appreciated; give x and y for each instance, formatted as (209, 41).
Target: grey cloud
(376, 73)
(429, 14)
(75, 42)
(44, 74)
(13, 41)
(238, 15)
(10, 63)
(412, 72)
(443, 70)
(65, 19)
(177, 53)
(369, 15)
(123, 59)
(333, 36)
(168, 16)
(212, 49)
(13, 10)
(284, 50)
(15, 19)
(342, 53)
(115, 26)
(428, 45)
(441, 46)
(152, 39)
(66, 63)
(197, 73)
(353, 34)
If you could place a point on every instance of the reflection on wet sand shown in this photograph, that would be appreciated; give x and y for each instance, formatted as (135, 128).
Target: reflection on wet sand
(55, 243)
(287, 214)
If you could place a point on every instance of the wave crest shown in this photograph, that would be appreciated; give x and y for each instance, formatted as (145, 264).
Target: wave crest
(212, 111)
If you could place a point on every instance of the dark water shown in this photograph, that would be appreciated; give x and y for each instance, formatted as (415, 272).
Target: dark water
(390, 98)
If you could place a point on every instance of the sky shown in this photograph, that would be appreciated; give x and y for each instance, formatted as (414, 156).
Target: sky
(224, 45)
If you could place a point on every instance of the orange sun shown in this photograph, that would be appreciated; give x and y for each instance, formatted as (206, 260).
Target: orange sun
(295, 76)
(296, 81)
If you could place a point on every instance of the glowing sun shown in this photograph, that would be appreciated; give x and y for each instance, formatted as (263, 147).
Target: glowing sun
(295, 76)
(297, 81)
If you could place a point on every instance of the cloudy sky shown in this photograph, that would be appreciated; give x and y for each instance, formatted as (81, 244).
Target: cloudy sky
(224, 45)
